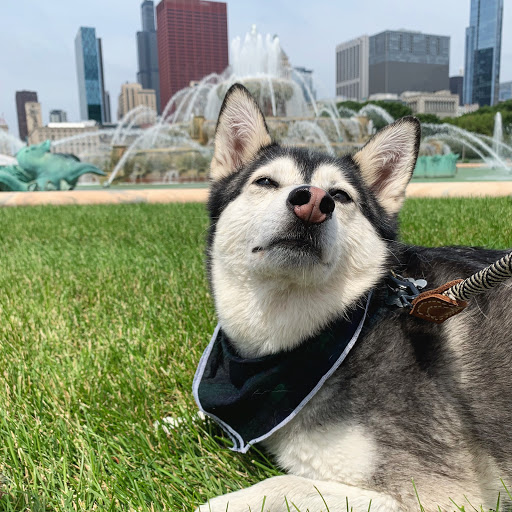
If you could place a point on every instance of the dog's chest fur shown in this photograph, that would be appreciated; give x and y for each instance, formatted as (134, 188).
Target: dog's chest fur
(343, 452)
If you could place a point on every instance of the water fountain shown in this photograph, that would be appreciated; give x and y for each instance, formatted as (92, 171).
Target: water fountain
(185, 130)
(293, 117)
(493, 152)
(9, 144)
(498, 134)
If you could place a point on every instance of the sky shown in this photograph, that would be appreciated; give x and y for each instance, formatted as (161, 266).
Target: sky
(37, 39)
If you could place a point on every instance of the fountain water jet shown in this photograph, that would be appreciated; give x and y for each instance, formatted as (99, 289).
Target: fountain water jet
(452, 132)
(10, 143)
(498, 133)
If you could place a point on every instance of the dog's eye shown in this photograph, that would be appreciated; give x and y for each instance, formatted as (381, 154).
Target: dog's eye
(341, 196)
(266, 182)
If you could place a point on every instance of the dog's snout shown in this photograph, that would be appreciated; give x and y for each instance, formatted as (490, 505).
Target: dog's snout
(312, 205)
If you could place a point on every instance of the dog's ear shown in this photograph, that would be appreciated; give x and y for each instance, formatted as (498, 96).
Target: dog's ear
(387, 161)
(241, 131)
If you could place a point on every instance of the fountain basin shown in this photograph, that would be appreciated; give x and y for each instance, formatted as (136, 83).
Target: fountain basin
(181, 194)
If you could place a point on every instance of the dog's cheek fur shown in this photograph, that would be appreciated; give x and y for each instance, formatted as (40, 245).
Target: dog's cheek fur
(267, 309)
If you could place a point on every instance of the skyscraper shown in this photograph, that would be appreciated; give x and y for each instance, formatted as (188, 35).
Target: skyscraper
(58, 116)
(34, 116)
(104, 94)
(402, 61)
(147, 51)
(89, 68)
(23, 97)
(192, 40)
(457, 87)
(393, 61)
(505, 91)
(133, 95)
(352, 64)
(483, 52)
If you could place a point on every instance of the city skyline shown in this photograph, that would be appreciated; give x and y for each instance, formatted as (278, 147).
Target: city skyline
(46, 64)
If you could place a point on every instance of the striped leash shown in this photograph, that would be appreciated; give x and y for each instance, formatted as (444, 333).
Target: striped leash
(451, 298)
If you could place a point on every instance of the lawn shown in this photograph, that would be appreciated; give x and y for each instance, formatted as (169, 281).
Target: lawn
(104, 312)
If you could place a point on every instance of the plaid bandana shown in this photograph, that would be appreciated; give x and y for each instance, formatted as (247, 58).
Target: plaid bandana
(252, 398)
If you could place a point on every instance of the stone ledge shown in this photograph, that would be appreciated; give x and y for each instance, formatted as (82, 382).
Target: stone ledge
(176, 195)
(460, 189)
(107, 196)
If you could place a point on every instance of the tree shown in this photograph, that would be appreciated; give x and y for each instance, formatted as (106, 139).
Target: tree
(429, 118)
(394, 108)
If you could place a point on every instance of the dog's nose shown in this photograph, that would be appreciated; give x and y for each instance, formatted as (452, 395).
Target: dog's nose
(311, 204)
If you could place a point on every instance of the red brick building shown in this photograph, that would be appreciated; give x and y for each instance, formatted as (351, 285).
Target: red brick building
(192, 40)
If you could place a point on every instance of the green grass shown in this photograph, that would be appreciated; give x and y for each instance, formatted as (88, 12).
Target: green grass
(104, 312)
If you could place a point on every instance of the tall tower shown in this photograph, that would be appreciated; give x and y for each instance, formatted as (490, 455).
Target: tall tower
(352, 65)
(402, 60)
(23, 97)
(147, 51)
(104, 94)
(483, 52)
(34, 116)
(89, 69)
(192, 43)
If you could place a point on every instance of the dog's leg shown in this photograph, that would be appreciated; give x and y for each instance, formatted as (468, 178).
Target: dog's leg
(290, 493)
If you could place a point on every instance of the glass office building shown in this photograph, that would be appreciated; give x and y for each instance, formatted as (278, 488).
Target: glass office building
(483, 52)
(89, 74)
(401, 60)
(505, 91)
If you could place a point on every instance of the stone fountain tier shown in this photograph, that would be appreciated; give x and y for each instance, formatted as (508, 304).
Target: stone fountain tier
(321, 131)
(190, 157)
(273, 94)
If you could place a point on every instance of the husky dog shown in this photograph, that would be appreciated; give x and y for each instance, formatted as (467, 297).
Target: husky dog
(299, 239)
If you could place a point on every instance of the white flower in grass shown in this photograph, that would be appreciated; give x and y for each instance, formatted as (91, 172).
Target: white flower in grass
(169, 423)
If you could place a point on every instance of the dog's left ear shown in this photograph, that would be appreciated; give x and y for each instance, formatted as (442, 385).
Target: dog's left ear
(387, 161)
(241, 132)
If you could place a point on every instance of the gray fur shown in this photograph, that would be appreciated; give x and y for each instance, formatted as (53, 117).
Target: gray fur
(413, 400)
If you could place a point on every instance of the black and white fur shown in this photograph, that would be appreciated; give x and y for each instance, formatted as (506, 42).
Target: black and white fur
(413, 400)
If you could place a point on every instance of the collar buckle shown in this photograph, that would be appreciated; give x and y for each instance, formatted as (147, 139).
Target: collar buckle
(403, 290)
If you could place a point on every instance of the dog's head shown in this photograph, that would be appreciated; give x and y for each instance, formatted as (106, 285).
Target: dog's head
(296, 236)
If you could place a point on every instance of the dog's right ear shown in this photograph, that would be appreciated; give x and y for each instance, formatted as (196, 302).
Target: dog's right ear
(241, 132)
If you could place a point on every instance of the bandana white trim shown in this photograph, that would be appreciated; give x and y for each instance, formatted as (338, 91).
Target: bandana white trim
(239, 445)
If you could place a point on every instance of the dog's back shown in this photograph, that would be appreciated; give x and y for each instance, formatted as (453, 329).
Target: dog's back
(416, 401)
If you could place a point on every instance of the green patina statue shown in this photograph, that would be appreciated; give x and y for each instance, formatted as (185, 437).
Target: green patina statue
(38, 169)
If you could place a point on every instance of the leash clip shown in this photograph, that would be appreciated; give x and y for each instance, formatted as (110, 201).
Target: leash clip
(403, 290)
